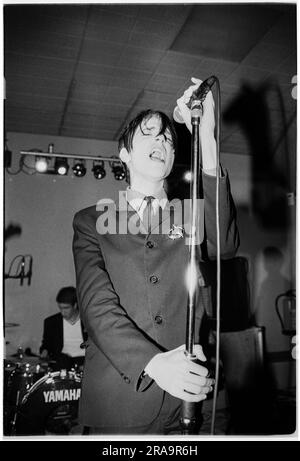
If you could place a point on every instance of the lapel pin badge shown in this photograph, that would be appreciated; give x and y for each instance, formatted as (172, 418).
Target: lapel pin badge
(176, 232)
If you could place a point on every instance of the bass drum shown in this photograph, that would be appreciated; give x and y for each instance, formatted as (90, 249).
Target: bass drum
(18, 379)
(9, 369)
(51, 406)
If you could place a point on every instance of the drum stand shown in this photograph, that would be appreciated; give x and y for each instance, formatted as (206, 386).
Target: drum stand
(14, 419)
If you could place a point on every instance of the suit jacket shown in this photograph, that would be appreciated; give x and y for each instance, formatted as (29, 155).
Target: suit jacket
(132, 298)
(53, 339)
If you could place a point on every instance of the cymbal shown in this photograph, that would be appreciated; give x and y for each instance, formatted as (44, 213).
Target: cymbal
(11, 324)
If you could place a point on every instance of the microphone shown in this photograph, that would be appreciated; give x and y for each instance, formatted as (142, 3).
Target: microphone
(198, 95)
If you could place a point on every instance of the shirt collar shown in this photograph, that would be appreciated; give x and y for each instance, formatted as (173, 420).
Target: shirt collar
(136, 199)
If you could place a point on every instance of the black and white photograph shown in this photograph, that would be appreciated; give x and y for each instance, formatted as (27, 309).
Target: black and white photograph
(149, 223)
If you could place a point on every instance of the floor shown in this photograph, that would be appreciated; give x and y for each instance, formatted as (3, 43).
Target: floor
(278, 418)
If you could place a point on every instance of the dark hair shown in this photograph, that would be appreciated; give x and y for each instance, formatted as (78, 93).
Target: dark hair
(127, 135)
(67, 295)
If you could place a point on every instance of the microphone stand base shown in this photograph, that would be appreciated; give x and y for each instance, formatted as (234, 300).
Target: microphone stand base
(188, 426)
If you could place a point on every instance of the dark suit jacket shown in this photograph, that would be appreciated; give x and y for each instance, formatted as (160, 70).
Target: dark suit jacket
(53, 339)
(128, 313)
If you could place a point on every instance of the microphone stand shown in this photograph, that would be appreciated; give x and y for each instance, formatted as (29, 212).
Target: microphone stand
(188, 409)
(22, 271)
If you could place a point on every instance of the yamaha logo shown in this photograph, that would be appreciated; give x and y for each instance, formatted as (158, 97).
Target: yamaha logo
(61, 395)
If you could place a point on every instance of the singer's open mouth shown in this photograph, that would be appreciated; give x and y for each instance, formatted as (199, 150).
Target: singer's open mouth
(157, 156)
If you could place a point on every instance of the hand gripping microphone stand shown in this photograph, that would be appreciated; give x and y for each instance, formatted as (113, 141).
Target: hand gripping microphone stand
(188, 409)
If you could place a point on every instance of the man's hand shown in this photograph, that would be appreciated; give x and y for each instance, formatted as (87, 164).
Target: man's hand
(207, 125)
(175, 373)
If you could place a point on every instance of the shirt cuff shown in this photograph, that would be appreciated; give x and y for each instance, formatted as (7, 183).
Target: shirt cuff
(212, 171)
(144, 382)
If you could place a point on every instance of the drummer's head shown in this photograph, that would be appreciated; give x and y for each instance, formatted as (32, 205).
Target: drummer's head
(67, 302)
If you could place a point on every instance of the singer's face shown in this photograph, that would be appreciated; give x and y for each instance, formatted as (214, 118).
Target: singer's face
(152, 154)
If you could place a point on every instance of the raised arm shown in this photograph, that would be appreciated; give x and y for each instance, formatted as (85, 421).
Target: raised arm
(228, 227)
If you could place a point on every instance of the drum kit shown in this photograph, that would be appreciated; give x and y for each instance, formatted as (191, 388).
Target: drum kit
(39, 400)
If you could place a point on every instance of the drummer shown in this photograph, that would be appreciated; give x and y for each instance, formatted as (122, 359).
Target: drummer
(63, 335)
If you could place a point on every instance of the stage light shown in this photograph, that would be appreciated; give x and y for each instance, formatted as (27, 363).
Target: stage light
(41, 164)
(79, 169)
(98, 169)
(118, 170)
(54, 163)
(61, 166)
(187, 176)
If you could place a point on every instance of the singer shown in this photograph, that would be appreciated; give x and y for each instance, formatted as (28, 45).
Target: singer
(131, 288)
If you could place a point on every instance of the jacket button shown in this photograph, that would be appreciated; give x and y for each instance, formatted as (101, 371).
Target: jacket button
(158, 319)
(153, 279)
(150, 244)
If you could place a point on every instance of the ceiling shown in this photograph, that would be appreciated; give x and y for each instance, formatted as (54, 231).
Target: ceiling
(86, 70)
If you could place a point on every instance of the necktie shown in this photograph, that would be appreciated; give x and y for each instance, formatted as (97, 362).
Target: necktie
(147, 212)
